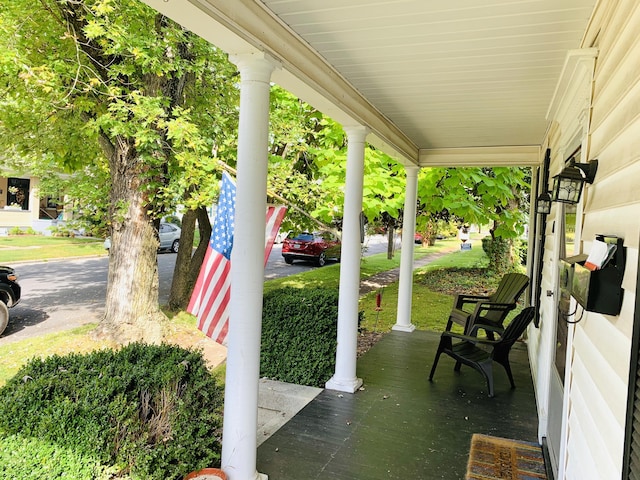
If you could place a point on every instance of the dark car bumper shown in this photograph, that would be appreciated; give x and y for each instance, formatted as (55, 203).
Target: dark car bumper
(299, 256)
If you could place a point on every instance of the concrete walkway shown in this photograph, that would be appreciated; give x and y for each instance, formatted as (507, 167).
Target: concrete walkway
(383, 279)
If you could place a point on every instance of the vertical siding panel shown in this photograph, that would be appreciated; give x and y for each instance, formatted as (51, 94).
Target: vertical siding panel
(602, 344)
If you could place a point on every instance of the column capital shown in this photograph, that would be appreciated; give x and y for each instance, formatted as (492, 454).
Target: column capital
(255, 66)
(356, 132)
(411, 170)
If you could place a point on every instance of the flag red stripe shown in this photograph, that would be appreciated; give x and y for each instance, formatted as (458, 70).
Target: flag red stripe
(216, 299)
(212, 312)
(274, 219)
(196, 296)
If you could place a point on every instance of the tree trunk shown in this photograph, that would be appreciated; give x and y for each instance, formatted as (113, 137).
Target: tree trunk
(188, 262)
(132, 312)
(390, 231)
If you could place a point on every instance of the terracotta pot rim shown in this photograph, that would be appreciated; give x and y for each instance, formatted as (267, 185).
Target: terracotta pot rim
(206, 471)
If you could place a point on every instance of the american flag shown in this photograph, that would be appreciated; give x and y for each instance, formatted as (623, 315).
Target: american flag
(210, 299)
(275, 214)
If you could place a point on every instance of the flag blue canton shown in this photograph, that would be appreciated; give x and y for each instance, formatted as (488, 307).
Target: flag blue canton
(222, 234)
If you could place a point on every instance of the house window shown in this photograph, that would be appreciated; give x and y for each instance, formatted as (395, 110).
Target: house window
(18, 193)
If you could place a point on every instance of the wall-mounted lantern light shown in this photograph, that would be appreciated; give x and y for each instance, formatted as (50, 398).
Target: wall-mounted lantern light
(567, 185)
(543, 203)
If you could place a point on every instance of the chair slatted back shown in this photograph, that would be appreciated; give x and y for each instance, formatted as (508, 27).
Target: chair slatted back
(510, 288)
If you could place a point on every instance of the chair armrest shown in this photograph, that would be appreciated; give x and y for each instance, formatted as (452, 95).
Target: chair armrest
(479, 317)
(492, 306)
(473, 330)
(461, 299)
(469, 338)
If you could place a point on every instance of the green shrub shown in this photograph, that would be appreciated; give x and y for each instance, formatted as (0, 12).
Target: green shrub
(151, 411)
(500, 253)
(299, 330)
(61, 231)
(16, 231)
(522, 248)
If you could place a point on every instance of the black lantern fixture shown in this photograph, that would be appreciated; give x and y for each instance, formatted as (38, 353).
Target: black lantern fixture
(567, 185)
(543, 203)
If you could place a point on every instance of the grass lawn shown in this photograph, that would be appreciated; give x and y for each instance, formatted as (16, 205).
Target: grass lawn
(430, 306)
(21, 248)
(431, 300)
(329, 275)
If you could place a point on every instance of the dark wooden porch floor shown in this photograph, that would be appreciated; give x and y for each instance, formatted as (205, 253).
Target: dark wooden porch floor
(401, 426)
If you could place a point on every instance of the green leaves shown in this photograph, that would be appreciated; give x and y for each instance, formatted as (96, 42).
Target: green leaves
(476, 195)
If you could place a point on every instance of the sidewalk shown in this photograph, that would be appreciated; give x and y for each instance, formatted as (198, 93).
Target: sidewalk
(383, 279)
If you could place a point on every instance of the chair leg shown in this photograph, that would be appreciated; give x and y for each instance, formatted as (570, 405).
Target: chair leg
(457, 367)
(487, 371)
(507, 368)
(435, 364)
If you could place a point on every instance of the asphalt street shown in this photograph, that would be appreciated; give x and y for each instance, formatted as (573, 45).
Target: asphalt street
(63, 294)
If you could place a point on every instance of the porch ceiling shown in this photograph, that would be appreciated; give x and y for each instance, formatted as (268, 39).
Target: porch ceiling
(460, 82)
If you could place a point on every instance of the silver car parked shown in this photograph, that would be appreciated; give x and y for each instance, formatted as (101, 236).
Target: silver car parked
(168, 234)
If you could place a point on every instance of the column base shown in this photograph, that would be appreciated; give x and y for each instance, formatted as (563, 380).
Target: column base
(342, 385)
(404, 328)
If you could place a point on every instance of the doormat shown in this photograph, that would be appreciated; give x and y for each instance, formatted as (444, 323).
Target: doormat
(494, 458)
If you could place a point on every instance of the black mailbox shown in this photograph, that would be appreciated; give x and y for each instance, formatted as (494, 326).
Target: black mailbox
(596, 290)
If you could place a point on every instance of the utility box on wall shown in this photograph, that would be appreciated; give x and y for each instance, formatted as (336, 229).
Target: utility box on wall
(596, 290)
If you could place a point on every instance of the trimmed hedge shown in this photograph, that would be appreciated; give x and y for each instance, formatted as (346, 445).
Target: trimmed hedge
(299, 330)
(150, 411)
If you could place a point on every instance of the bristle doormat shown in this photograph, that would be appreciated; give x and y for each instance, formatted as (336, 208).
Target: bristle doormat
(494, 458)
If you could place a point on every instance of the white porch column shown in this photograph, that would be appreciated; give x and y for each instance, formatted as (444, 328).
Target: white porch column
(405, 285)
(344, 378)
(239, 442)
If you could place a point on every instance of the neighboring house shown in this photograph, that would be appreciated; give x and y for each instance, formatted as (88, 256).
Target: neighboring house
(21, 205)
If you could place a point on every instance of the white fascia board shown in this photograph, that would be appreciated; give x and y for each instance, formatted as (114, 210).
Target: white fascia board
(246, 26)
(509, 156)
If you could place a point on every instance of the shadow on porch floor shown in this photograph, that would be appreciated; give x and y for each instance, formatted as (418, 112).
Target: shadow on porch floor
(400, 425)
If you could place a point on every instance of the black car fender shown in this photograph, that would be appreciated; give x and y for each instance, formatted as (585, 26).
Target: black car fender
(6, 295)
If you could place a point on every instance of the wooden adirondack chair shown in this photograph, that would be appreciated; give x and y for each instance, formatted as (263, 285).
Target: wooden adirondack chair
(474, 312)
(481, 353)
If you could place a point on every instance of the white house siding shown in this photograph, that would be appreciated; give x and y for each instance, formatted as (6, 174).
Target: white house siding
(601, 344)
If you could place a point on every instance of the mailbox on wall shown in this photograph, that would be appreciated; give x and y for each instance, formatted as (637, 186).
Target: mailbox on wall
(596, 290)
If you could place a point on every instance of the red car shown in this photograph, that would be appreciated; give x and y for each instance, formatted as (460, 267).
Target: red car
(316, 247)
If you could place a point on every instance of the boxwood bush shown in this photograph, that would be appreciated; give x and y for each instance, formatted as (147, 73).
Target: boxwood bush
(146, 411)
(299, 330)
